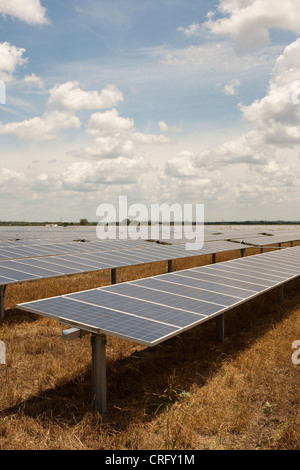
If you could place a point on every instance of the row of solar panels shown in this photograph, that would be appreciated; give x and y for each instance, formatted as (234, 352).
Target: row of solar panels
(149, 311)
(63, 235)
(25, 269)
(270, 240)
(262, 235)
(31, 249)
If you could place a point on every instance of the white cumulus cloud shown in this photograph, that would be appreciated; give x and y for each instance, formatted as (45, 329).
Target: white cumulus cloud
(276, 116)
(193, 29)
(231, 88)
(259, 167)
(30, 11)
(69, 96)
(109, 123)
(41, 128)
(34, 80)
(10, 57)
(248, 22)
(86, 176)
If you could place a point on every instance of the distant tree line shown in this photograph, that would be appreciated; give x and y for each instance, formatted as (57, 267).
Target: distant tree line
(85, 222)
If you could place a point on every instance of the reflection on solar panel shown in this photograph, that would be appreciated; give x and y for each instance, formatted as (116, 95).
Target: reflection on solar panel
(152, 310)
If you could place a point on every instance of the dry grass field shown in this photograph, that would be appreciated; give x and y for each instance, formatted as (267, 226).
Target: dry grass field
(189, 393)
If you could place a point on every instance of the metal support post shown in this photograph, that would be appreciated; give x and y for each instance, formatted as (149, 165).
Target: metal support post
(220, 329)
(170, 265)
(98, 342)
(113, 276)
(214, 258)
(280, 294)
(2, 294)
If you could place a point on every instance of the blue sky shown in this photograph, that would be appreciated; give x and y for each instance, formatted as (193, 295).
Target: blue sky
(162, 101)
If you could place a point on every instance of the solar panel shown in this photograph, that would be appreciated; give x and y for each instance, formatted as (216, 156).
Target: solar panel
(261, 267)
(164, 298)
(191, 292)
(98, 319)
(7, 280)
(221, 282)
(27, 268)
(273, 266)
(259, 272)
(105, 260)
(40, 262)
(16, 275)
(238, 272)
(211, 283)
(137, 307)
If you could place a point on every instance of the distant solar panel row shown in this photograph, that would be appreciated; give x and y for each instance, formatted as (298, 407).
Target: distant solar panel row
(176, 233)
(149, 311)
(271, 240)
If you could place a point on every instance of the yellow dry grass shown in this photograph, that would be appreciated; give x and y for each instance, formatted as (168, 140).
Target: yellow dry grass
(187, 393)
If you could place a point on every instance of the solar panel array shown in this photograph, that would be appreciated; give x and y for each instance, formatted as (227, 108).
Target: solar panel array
(31, 253)
(31, 264)
(14, 236)
(149, 311)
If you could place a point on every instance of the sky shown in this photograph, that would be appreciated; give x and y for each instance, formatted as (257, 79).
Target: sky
(164, 102)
